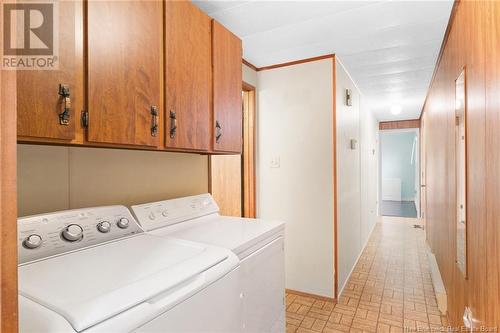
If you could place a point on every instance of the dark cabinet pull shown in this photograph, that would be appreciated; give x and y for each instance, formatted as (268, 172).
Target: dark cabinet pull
(154, 120)
(66, 99)
(218, 131)
(173, 124)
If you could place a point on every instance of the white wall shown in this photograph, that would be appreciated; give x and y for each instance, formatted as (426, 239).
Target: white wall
(348, 176)
(356, 174)
(397, 163)
(294, 126)
(369, 148)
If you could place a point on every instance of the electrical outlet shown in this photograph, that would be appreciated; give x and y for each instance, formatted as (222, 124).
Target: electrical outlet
(354, 144)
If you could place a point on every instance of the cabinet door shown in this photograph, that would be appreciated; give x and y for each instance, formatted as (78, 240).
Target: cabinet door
(227, 90)
(39, 103)
(188, 77)
(124, 71)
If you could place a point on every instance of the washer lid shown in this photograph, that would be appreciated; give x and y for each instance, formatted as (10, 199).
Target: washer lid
(234, 233)
(94, 284)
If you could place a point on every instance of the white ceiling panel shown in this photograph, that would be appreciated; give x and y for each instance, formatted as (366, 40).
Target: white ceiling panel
(389, 47)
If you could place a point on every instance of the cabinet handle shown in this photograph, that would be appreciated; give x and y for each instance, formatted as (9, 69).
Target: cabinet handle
(218, 131)
(154, 120)
(173, 124)
(66, 100)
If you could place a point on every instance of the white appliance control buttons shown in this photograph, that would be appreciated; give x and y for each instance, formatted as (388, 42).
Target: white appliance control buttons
(164, 213)
(151, 216)
(123, 223)
(42, 236)
(33, 241)
(104, 227)
(72, 233)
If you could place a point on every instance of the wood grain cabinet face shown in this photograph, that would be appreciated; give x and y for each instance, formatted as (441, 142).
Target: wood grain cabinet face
(188, 76)
(124, 71)
(39, 103)
(227, 90)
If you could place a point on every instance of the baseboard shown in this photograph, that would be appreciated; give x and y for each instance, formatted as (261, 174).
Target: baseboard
(357, 259)
(398, 219)
(437, 282)
(301, 293)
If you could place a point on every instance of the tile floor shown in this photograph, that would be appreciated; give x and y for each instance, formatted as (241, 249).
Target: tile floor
(390, 290)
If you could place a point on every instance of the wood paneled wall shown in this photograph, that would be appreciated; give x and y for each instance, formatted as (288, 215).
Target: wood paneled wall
(8, 206)
(400, 124)
(473, 44)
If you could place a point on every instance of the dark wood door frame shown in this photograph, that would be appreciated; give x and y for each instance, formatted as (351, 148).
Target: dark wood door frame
(248, 156)
(8, 202)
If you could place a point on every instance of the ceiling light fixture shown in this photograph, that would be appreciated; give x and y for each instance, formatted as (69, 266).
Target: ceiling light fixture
(396, 109)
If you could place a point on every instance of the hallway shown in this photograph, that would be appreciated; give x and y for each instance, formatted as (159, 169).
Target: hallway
(390, 290)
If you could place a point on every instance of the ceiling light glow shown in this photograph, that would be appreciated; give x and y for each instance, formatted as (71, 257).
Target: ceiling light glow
(396, 109)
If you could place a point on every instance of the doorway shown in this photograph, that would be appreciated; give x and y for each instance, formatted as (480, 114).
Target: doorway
(232, 177)
(399, 173)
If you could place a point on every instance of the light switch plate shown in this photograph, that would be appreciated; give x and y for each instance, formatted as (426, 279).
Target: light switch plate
(275, 161)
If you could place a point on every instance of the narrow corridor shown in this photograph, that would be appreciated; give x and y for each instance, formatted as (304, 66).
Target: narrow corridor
(390, 290)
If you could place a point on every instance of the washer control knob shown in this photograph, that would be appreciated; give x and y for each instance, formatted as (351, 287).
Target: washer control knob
(151, 216)
(33, 241)
(164, 213)
(104, 227)
(123, 223)
(72, 233)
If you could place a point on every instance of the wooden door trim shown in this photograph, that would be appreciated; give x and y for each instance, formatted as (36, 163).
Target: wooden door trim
(8, 203)
(334, 139)
(247, 86)
(296, 62)
(249, 64)
(248, 156)
(399, 124)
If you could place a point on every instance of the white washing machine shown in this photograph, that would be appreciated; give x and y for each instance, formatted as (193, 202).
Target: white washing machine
(95, 270)
(259, 244)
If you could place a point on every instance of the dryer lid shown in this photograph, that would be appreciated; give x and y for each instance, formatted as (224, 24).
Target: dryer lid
(235, 233)
(89, 286)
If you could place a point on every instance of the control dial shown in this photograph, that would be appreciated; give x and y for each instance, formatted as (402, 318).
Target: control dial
(33, 241)
(104, 226)
(72, 233)
(123, 223)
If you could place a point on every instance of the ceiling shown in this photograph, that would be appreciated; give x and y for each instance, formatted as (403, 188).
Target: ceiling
(388, 47)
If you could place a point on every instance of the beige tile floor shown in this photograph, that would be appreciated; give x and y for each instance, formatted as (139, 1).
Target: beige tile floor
(390, 290)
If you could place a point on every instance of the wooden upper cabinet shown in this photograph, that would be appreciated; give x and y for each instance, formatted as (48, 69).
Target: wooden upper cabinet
(39, 103)
(125, 50)
(188, 76)
(227, 90)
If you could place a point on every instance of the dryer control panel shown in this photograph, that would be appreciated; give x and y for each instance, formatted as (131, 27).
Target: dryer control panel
(162, 213)
(45, 235)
